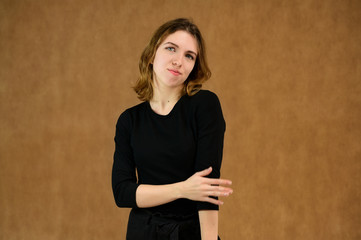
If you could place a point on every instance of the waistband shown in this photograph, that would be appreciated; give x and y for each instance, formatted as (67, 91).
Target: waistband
(166, 226)
(166, 217)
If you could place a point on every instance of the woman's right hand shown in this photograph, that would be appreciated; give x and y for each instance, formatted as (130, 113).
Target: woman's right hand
(200, 188)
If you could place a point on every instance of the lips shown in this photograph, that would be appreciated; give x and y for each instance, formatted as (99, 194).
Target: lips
(174, 72)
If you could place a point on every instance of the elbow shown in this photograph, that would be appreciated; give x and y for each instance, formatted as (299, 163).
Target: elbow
(124, 195)
(121, 202)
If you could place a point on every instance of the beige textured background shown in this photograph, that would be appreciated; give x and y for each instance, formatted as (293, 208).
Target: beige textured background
(288, 74)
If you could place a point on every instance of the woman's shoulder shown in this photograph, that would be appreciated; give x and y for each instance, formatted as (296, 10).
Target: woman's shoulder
(137, 108)
(131, 112)
(203, 93)
(205, 97)
(207, 108)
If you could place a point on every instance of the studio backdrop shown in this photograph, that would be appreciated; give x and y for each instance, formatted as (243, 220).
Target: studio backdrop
(287, 73)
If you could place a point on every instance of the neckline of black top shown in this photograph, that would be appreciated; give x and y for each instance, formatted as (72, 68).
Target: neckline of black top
(167, 115)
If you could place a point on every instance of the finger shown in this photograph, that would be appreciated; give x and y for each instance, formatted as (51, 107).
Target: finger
(218, 193)
(214, 201)
(216, 181)
(217, 188)
(205, 172)
(221, 190)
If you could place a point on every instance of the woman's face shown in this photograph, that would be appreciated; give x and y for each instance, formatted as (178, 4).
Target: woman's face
(174, 60)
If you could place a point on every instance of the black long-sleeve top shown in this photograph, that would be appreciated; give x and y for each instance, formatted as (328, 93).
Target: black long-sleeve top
(157, 149)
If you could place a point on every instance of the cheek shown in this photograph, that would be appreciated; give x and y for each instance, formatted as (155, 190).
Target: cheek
(190, 67)
(157, 62)
(160, 58)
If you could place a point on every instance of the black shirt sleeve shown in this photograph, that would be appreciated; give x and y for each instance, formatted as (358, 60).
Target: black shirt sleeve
(210, 135)
(124, 180)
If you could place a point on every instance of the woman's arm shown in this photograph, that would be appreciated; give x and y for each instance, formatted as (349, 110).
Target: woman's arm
(155, 195)
(196, 188)
(211, 129)
(208, 220)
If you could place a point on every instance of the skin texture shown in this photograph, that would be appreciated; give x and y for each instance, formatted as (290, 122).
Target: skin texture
(173, 62)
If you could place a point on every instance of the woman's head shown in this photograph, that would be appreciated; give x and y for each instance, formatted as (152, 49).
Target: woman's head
(199, 74)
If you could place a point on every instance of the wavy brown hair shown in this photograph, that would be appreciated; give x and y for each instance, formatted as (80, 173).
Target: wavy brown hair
(199, 74)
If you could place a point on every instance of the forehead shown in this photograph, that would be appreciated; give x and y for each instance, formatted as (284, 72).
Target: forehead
(182, 39)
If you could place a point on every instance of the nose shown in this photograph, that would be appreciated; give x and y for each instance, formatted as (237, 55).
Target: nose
(177, 60)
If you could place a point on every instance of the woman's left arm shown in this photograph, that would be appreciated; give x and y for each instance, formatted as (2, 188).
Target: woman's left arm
(208, 220)
(210, 135)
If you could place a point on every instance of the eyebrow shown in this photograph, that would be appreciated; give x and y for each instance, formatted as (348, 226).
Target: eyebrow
(189, 51)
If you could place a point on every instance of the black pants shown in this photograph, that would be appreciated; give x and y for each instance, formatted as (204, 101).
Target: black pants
(144, 225)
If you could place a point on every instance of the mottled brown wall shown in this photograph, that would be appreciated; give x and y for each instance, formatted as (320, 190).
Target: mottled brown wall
(288, 74)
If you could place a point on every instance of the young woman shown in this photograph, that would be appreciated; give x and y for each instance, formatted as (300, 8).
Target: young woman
(168, 149)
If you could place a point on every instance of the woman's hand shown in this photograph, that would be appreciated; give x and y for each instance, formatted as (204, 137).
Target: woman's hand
(200, 188)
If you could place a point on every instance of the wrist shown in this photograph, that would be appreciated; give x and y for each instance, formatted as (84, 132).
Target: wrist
(178, 187)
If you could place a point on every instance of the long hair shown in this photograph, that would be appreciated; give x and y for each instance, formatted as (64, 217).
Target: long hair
(199, 74)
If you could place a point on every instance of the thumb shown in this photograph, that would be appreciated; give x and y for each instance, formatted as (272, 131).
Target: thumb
(205, 172)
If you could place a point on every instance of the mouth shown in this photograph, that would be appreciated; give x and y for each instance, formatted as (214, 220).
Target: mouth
(174, 72)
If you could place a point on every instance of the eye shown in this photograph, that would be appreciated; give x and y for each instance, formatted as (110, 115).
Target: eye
(189, 56)
(172, 49)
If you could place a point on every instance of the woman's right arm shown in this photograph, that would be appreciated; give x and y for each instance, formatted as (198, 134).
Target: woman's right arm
(197, 188)
(124, 179)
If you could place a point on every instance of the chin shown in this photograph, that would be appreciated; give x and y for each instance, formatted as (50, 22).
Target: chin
(175, 84)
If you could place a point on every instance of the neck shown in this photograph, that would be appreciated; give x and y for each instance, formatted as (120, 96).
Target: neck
(163, 100)
(164, 95)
